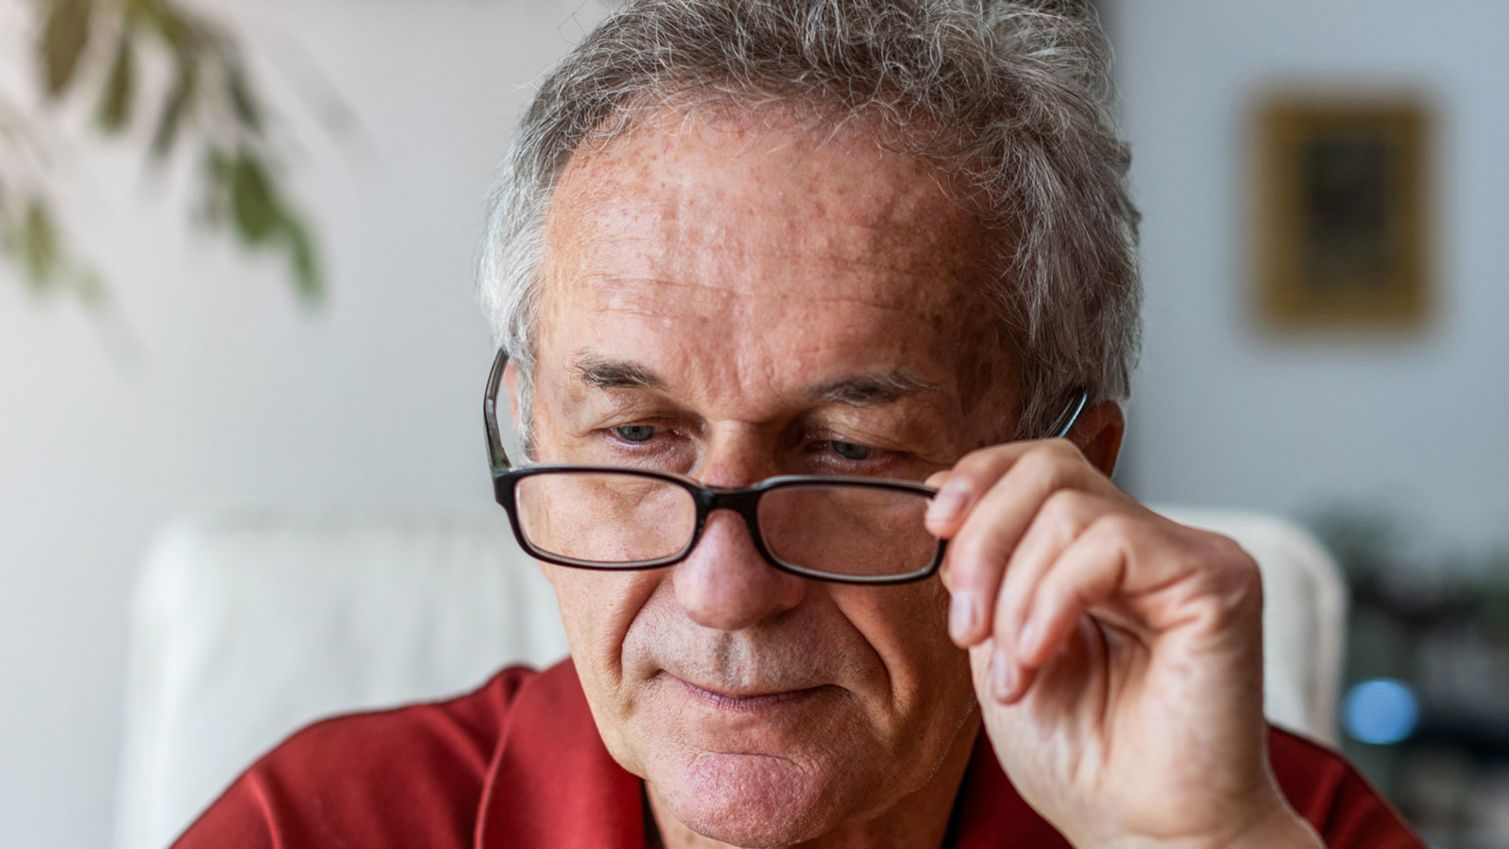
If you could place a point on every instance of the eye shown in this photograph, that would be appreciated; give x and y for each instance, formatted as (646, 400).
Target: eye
(635, 432)
(850, 450)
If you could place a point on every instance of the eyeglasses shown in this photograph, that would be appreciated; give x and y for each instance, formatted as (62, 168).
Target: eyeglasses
(846, 529)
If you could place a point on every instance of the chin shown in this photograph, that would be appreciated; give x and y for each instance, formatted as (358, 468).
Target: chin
(757, 801)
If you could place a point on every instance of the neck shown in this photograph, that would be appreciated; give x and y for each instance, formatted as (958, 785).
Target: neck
(919, 820)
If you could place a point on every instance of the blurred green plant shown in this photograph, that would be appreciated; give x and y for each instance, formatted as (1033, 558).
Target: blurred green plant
(94, 49)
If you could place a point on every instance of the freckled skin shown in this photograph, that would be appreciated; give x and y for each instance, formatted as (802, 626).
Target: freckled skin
(742, 261)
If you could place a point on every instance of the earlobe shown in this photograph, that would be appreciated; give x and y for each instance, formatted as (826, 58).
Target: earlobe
(1098, 433)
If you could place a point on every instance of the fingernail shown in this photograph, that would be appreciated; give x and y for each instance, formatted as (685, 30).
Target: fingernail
(962, 617)
(1002, 675)
(947, 503)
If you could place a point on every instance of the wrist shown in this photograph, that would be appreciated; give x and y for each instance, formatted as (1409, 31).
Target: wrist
(1283, 829)
(1278, 828)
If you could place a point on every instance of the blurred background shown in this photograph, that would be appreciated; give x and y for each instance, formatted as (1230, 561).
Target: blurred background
(236, 248)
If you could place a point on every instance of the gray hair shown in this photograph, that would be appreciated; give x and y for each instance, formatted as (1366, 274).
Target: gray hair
(1010, 96)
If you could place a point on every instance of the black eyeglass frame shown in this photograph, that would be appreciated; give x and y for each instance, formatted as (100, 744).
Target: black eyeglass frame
(741, 500)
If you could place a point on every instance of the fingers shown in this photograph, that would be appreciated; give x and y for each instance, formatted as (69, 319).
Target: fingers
(1090, 571)
(1040, 539)
(978, 472)
(1063, 516)
(1141, 571)
(1058, 523)
(986, 505)
(1041, 542)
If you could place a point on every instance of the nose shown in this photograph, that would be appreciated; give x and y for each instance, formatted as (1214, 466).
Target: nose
(725, 584)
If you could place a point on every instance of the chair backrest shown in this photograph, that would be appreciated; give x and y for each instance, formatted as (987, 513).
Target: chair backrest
(249, 624)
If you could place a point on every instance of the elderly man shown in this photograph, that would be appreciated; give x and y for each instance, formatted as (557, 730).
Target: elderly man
(793, 299)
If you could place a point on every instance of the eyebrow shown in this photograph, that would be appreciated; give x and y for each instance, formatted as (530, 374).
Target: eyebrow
(867, 390)
(604, 373)
(861, 390)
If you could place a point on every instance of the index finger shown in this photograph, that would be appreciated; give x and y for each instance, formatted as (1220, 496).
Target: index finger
(962, 487)
(1007, 487)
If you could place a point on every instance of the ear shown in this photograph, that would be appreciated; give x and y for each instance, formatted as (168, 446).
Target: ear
(1098, 432)
(510, 390)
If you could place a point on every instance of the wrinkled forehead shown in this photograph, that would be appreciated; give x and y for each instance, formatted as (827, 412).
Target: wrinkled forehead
(764, 235)
(834, 188)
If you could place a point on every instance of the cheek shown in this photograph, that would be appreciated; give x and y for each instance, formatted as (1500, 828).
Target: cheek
(906, 627)
(597, 610)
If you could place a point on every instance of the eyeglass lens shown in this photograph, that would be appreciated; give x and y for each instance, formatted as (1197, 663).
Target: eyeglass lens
(609, 519)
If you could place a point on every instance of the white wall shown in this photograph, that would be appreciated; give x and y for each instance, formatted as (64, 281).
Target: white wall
(1225, 414)
(234, 394)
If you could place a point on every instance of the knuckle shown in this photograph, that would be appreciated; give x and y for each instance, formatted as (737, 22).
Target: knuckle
(973, 468)
(1063, 448)
(1118, 527)
(1229, 552)
(1236, 566)
(1231, 576)
(972, 557)
(1045, 464)
(1223, 558)
(1045, 454)
(1059, 452)
(1063, 507)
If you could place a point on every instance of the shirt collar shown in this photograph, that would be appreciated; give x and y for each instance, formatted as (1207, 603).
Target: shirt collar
(552, 781)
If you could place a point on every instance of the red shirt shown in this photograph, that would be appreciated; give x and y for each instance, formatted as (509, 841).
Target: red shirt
(519, 763)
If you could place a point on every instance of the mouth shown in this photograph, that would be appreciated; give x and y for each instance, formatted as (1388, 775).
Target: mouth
(747, 701)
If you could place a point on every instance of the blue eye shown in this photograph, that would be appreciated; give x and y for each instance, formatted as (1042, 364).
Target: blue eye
(635, 433)
(850, 450)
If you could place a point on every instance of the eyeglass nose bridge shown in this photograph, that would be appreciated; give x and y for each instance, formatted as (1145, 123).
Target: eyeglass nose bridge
(744, 501)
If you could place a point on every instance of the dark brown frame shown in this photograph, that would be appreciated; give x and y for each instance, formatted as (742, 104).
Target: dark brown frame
(1288, 294)
(742, 500)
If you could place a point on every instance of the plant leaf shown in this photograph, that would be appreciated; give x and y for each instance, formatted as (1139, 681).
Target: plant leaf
(170, 120)
(243, 102)
(39, 244)
(303, 260)
(173, 25)
(255, 212)
(63, 39)
(115, 105)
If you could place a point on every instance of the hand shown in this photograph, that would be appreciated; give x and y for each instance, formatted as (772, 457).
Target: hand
(1117, 655)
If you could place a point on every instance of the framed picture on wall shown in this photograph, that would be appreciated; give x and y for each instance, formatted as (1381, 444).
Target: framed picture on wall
(1342, 212)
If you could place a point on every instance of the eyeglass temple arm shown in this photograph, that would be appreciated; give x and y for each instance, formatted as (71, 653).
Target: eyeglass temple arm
(1070, 415)
(497, 459)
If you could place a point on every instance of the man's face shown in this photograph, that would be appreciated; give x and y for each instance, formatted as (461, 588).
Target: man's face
(708, 282)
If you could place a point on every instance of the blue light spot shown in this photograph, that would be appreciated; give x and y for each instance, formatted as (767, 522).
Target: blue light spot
(1380, 711)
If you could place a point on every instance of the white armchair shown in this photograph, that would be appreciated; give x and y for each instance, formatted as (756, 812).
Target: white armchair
(249, 624)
